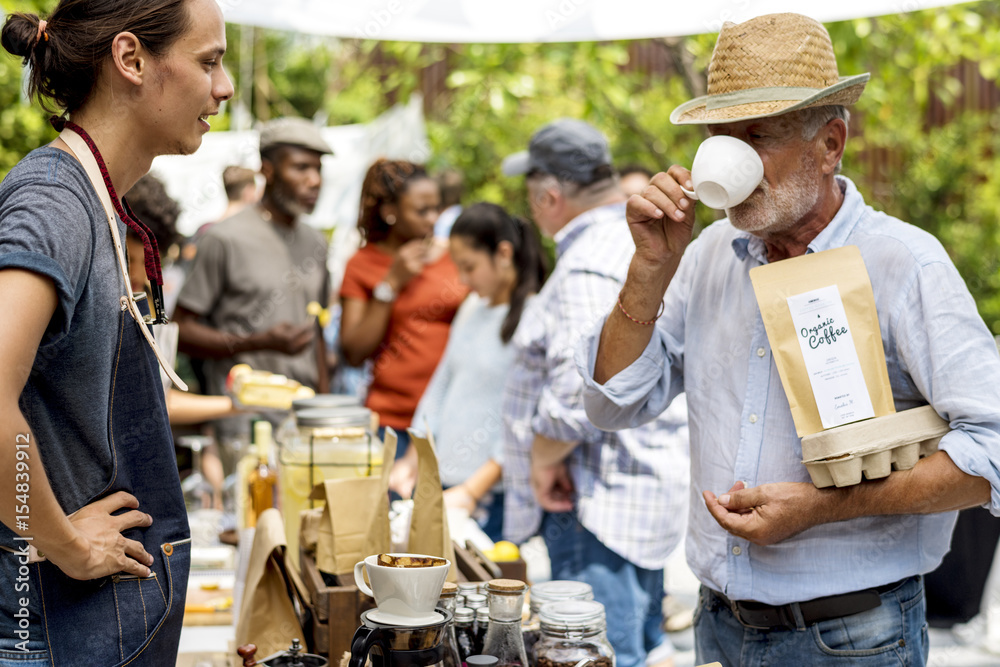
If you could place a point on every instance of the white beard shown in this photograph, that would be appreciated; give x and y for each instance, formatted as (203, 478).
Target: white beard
(775, 210)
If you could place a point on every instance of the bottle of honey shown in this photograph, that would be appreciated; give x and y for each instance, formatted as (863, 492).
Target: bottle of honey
(263, 479)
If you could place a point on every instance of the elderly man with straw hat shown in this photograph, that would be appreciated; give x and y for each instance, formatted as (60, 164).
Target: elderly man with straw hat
(792, 574)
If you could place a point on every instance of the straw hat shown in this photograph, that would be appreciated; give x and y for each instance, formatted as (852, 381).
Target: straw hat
(768, 66)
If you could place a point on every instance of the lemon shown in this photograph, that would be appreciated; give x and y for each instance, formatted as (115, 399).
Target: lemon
(319, 312)
(503, 552)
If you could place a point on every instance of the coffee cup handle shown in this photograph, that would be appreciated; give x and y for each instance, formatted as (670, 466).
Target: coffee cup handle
(690, 194)
(359, 579)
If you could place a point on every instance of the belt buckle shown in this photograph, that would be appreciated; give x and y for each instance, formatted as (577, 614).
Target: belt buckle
(734, 606)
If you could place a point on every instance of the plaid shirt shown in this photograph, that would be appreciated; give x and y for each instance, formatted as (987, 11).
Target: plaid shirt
(631, 485)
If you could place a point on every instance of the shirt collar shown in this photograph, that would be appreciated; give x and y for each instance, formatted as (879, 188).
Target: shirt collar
(834, 235)
(565, 237)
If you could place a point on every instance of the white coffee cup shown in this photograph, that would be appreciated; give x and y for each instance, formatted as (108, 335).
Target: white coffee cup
(725, 172)
(404, 595)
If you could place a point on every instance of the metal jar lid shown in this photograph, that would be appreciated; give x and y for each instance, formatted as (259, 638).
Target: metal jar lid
(483, 614)
(326, 401)
(475, 601)
(482, 660)
(554, 591)
(572, 615)
(349, 417)
(464, 615)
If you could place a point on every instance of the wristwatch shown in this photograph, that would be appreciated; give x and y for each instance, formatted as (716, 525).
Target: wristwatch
(384, 292)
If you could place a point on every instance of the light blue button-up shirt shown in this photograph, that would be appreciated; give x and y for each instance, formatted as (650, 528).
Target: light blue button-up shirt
(711, 343)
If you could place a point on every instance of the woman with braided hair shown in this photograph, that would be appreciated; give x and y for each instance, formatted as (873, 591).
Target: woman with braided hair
(400, 293)
(95, 552)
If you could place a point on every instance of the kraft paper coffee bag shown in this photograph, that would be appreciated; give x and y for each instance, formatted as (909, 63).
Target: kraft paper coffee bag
(819, 313)
(355, 519)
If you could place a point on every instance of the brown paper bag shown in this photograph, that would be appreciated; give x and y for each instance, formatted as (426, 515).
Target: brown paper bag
(309, 525)
(267, 616)
(843, 268)
(355, 521)
(429, 532)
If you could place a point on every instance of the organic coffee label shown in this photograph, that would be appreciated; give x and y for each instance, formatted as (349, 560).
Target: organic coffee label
(831, 358)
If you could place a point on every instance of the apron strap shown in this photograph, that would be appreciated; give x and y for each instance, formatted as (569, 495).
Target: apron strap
(86, 158)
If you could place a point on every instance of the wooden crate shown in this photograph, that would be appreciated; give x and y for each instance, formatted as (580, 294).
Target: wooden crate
(336, 610)
(473, 565)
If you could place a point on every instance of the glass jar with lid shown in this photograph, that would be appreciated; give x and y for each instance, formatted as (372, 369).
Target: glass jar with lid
(573, 630)
(542, 594)
(327, 443)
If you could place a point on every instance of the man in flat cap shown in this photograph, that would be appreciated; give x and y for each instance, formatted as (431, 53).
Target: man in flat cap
(255, 273)
(792, 574)
(609, 506)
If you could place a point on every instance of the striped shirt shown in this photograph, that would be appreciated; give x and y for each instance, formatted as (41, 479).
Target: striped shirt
(631, 485)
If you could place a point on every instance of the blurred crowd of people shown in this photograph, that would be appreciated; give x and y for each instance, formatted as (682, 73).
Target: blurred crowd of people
(440, 329)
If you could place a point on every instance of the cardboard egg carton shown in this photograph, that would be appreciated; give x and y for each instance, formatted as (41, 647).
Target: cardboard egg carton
(873, 448)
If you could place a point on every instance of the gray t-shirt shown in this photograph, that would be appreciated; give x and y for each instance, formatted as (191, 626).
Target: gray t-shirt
(251, 274)
(52, 223)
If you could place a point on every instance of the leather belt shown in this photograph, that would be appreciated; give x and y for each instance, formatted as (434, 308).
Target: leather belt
(760, 616)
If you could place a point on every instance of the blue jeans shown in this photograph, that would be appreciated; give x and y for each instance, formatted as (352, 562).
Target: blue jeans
(36, 655)
(632, 596)
(893, 634)
(489, 515)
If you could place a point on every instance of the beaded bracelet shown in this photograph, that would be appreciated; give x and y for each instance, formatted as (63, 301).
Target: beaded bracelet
(645, 324)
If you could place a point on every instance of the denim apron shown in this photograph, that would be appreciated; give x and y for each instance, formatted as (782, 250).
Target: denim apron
(123, 619)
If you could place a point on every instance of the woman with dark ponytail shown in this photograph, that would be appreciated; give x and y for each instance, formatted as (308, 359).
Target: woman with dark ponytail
(499, 258)
(94, 555)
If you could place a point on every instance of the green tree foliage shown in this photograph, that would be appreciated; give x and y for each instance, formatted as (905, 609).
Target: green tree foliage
(23, 127)
(923, 148)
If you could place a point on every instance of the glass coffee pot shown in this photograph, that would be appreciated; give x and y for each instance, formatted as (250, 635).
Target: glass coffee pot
(400, 646)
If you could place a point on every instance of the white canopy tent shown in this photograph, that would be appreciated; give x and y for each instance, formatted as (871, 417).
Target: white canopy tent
(195, 181)
(454, 21)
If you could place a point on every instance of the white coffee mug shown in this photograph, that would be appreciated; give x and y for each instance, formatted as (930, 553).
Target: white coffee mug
(725, 172)
(404, 595)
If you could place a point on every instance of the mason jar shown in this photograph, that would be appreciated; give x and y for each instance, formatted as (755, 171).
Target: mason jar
(542, 594)
(571, 631)
(326, 443)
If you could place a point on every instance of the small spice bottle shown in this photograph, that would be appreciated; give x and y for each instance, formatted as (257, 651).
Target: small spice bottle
(482, 624)
(465, 638)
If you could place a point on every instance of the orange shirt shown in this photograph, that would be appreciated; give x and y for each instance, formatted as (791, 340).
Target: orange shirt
(417, 333)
